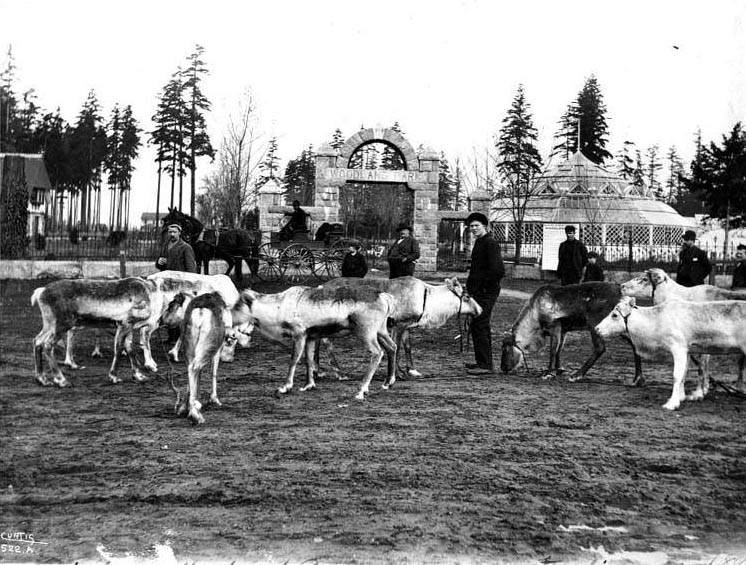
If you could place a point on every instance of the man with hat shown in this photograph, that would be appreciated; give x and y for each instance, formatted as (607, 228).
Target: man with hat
(403, 253)
(483, 283)
(176, 254)
(694, 266)
(573, 257)
(354, 263)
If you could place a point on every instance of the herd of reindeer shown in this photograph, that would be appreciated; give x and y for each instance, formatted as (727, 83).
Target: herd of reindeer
(213, 316)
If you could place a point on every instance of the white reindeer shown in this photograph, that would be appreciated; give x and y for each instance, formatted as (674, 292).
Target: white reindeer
(418, 305)
(681, 328)
(300, 316)
(656, 283)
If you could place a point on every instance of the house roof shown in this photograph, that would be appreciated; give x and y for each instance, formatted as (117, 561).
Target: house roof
(34, 170)
(580, 175)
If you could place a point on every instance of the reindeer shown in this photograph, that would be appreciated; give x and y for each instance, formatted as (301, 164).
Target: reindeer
(209, 337)
(131, 304)
(657, 284)
(555, 310)
(300, 316)
(418, 305)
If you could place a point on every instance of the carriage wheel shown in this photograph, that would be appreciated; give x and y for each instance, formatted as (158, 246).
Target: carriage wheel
(269, 268)
(297, 264)
(330, 265)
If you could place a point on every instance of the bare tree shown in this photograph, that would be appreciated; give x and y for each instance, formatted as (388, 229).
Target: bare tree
(230, 189)
(479, 172)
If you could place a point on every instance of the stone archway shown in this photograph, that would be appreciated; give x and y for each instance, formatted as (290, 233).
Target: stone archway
(420, 176)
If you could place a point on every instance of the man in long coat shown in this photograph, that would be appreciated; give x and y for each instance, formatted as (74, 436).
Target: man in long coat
(572, 258)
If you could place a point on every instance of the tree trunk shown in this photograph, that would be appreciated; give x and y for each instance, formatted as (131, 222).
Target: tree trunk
(158, 195)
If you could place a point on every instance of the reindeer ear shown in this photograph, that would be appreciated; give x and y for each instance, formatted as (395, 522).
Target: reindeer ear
(179, 298)
(632, 302)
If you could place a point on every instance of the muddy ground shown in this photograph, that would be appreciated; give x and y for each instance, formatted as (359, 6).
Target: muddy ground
(446, 468)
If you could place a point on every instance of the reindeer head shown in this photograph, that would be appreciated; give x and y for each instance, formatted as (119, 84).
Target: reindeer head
(511, 355)
(469, 306)
(176, 309)
(616, 322)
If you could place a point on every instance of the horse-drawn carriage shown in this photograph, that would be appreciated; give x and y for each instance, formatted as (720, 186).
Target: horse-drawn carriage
(297, 259)
(301, 258)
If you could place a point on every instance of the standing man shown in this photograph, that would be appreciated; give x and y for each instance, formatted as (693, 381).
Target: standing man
(483, 284)
(403, 253)
(739, 273)
(573, 257)
(176, 254)
(694, 266)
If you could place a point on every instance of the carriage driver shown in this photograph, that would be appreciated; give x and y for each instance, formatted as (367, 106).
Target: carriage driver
(176, 254)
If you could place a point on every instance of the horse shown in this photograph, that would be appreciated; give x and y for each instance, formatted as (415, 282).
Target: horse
(553, 311)
(225, 244)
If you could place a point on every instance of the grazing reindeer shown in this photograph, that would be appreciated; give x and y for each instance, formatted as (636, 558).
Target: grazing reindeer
(656, 283)
(131, 303)
(301, 316)
(209, 337)
(555, 310)
(418, 305)
(680, 328)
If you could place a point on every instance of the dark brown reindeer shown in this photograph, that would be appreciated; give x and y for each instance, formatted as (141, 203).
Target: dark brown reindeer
(226, 244)
(555, 310)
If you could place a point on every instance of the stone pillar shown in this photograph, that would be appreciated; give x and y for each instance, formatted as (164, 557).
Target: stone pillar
(426, 210)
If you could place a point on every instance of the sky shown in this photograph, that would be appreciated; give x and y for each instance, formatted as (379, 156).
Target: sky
(446, 71)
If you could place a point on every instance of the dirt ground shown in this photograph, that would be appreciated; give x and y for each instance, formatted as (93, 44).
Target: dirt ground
(445, 468)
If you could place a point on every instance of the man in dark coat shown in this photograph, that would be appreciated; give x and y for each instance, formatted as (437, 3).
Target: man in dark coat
(483, 284)
(573, 257)
(176, 254)
(296, 223)
(694, 266)
(354, 263)
(403, 253)
(739, 273)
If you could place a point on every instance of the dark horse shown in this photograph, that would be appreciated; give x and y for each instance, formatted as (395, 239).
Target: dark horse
(555, 310)
(225, 244)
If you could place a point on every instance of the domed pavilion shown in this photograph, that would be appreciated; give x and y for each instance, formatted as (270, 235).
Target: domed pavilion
(606, 209)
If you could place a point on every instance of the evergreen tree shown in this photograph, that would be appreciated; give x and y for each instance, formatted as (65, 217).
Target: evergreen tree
(653, 166)
(391, 159)
(8, 104)
(674, 184)
(300, 177)
(625, 161)
(87, 153)
(588, 113)
(519, 160)
(270, 164)
(718, 177)
(338, 139)
(198, 142)
(447, 189)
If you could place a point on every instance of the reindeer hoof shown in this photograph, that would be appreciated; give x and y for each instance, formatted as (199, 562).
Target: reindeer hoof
(414, 373)
(139, 378)
(547, 375)
(575, 377)
(196, 418)
(113, 379)
(62, 382)
(97, 354)
(308, 387)
(43, 380)
(671, 405)
(639, 381)
(283, 390)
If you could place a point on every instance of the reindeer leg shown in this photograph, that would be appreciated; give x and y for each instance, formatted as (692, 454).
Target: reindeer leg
(741, 370)
(639, 379)
(131, 350)
(69, 359)
(599, 346)
(311, 368)
(336, 371)
(680, 362)
(703, 377)
(145, 332)
(97, 346)
(406, 342)
(299, 344)
(194, 371)
(376, 354)
(118, 341)
(555, 343)
(389, 345)
(214, 395)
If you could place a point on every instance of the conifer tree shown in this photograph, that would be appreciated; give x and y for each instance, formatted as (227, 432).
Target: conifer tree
(585, 115)
(653, 166)
(519, 161)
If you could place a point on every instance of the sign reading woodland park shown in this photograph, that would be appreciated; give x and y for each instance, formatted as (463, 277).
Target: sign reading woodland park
(376, 175)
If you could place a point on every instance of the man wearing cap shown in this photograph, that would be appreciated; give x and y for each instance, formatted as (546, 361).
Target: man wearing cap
(483, 283)
(354, 263)
(739, 273)
(694, 266)
(176, 254)
(573, 257)
(403, 253)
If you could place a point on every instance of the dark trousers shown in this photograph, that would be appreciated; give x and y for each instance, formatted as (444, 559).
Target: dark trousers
(398, 268)
(569, 278)
(481, 331)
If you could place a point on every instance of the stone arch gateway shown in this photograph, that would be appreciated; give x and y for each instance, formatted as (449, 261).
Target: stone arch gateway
(420, 175)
